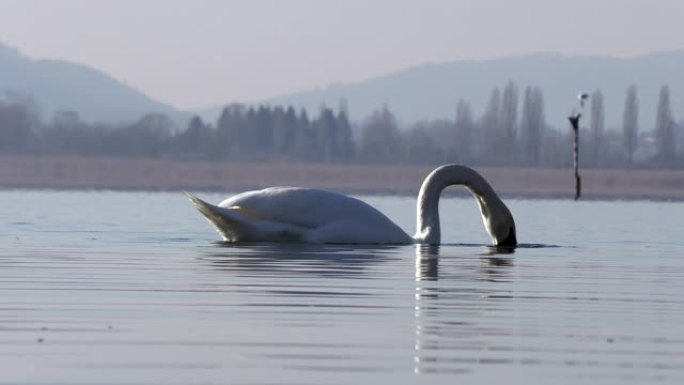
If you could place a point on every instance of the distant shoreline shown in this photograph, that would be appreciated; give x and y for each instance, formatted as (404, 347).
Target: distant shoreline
(97, 173)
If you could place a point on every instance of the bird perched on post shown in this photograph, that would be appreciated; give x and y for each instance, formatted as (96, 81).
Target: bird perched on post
(582, 98)
(577, 112)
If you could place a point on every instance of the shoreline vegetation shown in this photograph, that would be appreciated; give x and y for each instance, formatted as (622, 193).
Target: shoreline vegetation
(101, 173)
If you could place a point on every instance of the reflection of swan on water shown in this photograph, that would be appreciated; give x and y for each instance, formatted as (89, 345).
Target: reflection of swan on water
(289, 260)
(452, 306)
(292, 214)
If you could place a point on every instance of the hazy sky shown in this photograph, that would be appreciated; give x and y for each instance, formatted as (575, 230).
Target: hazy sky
(198, 53)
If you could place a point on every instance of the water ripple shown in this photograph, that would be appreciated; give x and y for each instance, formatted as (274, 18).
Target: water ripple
(79, 302)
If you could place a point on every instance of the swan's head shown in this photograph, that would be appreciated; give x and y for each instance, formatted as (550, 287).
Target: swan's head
(509, 239)
(502, 231)
(499, 223)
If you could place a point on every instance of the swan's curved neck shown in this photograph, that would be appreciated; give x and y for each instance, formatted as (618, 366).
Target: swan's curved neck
(494, 213)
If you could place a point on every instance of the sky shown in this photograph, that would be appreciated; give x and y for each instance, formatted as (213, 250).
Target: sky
(203, 53)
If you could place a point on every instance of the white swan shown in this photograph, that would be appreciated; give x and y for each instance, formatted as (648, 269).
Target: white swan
(293, 214)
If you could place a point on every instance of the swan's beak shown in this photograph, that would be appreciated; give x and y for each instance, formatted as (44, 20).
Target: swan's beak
(510, 240)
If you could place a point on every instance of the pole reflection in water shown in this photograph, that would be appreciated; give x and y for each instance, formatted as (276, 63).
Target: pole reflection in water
(450, 335)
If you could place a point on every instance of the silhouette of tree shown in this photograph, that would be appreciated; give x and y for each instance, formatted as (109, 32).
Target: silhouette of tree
(259, 134)
(630, 124)
(326, 141)
(231, 133)
(596, 125)
(67, 134)
(343, 135)
(197, 141)
(505, 144)
(146, 137)
(16, 127)
(419, 144)
(489, 126)
(464, 131)
(280, 134)
(380, 139)
(665, 128)
(305, 141)
(532, 125)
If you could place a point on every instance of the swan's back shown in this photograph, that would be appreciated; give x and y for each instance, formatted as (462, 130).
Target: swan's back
(306, 215)
(302, 206)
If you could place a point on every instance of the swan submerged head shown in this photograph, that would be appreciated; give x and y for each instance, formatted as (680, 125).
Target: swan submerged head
(498, 222)
(511, 240)
(497, 219)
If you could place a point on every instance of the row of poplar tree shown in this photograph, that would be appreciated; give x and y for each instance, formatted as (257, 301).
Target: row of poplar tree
(509, 132)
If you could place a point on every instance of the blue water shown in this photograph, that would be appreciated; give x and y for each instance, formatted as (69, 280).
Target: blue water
(132, 288)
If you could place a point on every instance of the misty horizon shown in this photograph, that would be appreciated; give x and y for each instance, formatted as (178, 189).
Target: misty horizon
(395, 90)
(333, 83)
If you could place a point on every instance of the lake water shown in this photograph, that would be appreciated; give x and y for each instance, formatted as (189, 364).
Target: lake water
(131, 288)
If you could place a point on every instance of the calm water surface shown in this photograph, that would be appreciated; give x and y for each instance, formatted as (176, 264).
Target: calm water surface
(131, 288)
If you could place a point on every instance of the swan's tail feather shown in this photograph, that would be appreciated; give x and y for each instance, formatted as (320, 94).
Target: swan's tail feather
(237, 224)
(222, 219)
(207, 209)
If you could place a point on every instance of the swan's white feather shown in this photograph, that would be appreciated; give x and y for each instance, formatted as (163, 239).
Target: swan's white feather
(293, 214)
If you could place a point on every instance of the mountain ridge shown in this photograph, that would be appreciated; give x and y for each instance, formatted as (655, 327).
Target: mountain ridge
(426, 91)
(432, 90)
(56, 85)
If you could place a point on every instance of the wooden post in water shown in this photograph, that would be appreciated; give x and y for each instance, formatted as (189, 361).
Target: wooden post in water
(574, 121)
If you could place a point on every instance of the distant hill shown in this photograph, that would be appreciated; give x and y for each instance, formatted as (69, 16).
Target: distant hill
(60, 85)
(431, 91)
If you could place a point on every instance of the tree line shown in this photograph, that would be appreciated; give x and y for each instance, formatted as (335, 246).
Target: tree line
(511, 131)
